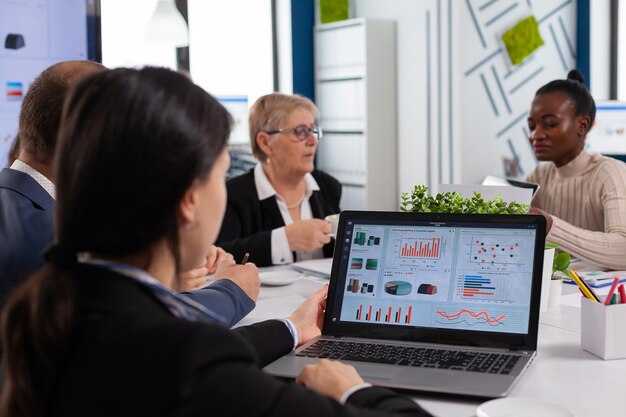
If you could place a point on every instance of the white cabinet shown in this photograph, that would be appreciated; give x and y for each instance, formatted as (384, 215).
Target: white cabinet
(355, 90)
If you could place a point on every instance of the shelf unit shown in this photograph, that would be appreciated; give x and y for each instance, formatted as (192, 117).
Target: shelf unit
(356, 94)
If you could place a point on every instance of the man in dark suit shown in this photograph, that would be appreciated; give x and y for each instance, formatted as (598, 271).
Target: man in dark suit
(26, 188)
(27, 194)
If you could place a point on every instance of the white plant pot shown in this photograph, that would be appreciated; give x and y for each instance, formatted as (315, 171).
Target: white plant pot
(546, 278)
(554, 299)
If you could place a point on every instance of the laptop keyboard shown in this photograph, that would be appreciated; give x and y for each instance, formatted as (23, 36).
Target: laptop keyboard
(460, 360)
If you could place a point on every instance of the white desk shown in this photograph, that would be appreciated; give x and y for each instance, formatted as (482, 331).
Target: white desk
(561, 372)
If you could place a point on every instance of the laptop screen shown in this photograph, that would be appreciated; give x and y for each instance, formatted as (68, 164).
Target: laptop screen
(469, 273)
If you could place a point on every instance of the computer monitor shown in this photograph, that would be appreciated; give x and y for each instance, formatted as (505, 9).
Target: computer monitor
(608, 134)
(35, 34)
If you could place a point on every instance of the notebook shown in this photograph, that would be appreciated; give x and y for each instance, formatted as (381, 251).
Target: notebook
(600, 279)
(441, 303)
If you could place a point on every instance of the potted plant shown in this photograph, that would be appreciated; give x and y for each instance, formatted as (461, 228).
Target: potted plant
(559, 271)
(420, 200)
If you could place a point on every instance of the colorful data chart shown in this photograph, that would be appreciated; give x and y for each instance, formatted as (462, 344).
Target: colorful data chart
(356, 263)
(355, 286)
(469, 318)
(495, 252)
(427, 289)
(478, 286)
(384, 315)
(420, 248)
(14, 90)
(361, 239)
(371, 264)
(398, 287)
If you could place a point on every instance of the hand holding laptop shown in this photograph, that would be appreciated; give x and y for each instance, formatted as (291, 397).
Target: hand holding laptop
(309, 317)
(326, 377)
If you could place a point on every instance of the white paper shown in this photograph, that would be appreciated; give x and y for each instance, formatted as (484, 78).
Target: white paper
(321, 267)
(488, 192)
(272, 308)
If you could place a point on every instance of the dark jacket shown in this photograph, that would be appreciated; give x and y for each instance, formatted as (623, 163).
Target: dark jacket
(26, 227)
(249, 222)
(130, 357)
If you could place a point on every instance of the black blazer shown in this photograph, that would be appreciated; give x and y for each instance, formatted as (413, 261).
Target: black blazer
(249, 222)
(130, 357)
(26, 228)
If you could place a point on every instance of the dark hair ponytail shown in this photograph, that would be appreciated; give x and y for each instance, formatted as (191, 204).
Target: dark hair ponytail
(35, 325)
(131, 143)
(574, 87)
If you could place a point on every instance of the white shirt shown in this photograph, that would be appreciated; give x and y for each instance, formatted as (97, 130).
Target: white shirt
(41, 179)
(281, 253)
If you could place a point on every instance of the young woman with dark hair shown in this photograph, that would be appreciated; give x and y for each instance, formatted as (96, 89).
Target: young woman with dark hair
(583, 194)
(99, 331)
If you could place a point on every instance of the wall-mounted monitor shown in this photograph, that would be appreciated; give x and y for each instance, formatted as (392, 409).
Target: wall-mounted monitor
(608, 135)
(35, 34)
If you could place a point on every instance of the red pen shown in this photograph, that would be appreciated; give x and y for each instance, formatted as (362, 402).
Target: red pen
(622, 293)
(607, 301)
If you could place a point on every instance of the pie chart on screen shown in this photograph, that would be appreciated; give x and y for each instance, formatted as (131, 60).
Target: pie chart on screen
(398, 287)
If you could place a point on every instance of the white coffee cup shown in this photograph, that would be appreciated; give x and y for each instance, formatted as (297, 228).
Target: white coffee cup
(333, 219)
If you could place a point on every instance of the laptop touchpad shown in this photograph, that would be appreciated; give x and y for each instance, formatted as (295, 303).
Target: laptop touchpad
(376, 372)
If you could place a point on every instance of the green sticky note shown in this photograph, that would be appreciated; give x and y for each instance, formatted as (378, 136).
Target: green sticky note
(522, 39)
(334, 10)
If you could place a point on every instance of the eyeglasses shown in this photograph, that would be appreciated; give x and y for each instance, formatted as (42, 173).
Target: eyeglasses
(301, 132)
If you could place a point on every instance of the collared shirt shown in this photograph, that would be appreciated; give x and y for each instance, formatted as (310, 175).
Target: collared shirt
(281, 253)
(41, 179)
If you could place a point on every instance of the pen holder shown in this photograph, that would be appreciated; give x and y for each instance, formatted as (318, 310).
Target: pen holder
(603, 329)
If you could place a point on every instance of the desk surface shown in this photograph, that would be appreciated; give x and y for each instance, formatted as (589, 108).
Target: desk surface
(562, 372)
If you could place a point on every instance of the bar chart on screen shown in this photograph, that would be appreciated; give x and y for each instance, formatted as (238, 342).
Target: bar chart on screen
(383, 314)
(492, 288)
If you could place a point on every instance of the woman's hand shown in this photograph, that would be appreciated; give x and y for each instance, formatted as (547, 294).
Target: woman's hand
(215, 257)
(194, 279)
(308, 235)
(197, 278)
(329, 378)
(245, 276)
(548, 217)
(309, 317)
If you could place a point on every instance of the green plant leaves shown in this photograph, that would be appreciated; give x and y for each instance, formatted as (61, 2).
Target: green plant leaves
(561, 261)
(419, 200)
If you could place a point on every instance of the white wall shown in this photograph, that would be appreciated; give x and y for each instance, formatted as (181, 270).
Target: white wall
(447, 128)
(621, 54)
(600, 48)
(231, 46)
(423, 102)
(123, 26)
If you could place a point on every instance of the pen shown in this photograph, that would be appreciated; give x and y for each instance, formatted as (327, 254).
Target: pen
(614, 299)
(586, 291)
(608, 300)
(245, 258)
(622, 293)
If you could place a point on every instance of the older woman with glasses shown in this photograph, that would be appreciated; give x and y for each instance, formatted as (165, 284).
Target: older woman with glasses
(275, 211)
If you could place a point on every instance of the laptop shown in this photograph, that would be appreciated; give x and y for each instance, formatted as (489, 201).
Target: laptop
(441, 303)
(491, 180)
